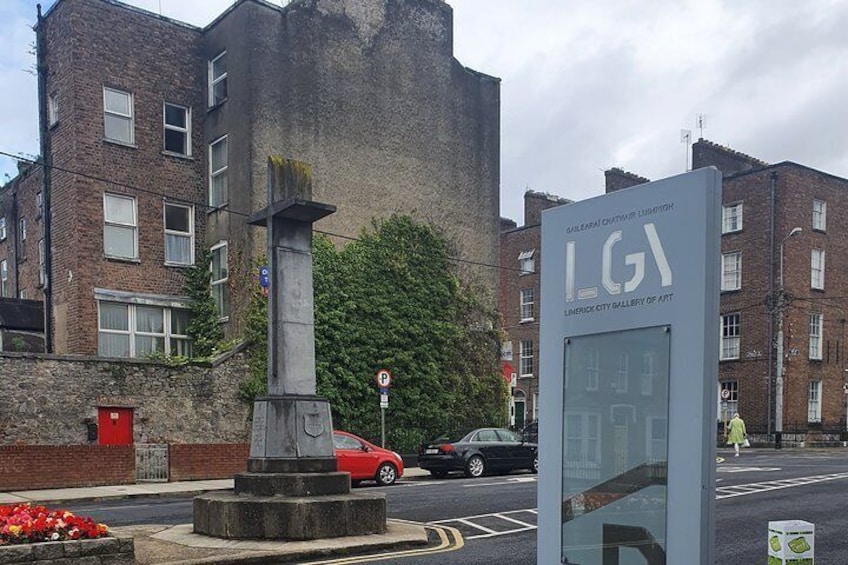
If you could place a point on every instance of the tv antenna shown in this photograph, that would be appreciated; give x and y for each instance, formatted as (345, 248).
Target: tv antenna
(701, 120)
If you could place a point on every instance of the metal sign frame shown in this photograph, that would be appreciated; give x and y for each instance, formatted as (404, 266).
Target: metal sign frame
(647, 256)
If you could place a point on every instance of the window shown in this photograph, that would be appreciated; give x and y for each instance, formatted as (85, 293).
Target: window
(816, 336)
(177, 129)
(120, 234)
(731, 271)
(582, 445)
(118, 116)
(819, 215)
(657, 439)
(817, 269)
(179, 234)
(593, 366)
(732, 388)
(135, 330)
(621, 373)
(2, 228)
(4, 279)
(52, 110)
(22, 235)
(648, 373)
(22, 294)
(219, 279)
(526, 262)
(731, 218)
(218, 160)
(218, 79)
(525, 365)
(39, 204)
(527, 305)
(42, 273)
(814, 402)
(730, 336)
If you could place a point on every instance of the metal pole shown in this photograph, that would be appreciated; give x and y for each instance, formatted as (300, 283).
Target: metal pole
(778, 392)
(382, 427)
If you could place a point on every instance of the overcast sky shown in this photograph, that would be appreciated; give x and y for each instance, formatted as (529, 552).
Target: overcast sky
(593, 85)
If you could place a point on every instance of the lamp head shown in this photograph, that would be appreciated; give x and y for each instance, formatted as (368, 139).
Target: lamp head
(795, 231)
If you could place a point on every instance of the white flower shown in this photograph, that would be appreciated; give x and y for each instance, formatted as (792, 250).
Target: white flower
(55, 536)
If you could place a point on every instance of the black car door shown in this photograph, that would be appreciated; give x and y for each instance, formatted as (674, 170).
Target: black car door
(517, 453)
(489, 444)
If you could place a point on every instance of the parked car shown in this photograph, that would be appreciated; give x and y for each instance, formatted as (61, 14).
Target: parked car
(530, 432)
(365, 461)
(478, 452)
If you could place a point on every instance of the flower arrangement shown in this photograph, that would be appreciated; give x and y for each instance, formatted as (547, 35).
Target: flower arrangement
(24, 523)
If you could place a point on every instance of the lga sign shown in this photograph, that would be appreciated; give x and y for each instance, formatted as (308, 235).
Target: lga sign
(628, 364)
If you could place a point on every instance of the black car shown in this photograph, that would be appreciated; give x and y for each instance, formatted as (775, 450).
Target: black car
(478, 452)
(531, 432)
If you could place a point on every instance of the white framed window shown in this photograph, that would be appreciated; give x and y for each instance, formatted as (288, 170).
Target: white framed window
(526, 262)
(179, 234)
(118, 120)
(120, 229)
(730, 336)
(819, 215)
(525, 363)
(2, 228)
(621, 374)
(218, 165)
(731, 218)
(649, 372)
(42, 272)
(39, 204)
(4, 279)
(52, 110)
(218, 79)
(656, 436)
(22, 235)
(816, 336)
(220, 276)
(817, 269)
(582, 439)
(814, 402)
(22, 294)
(593, 369)
(732, 388)
(527, 298)
(136, 330)
(177, 133)
(731, 271)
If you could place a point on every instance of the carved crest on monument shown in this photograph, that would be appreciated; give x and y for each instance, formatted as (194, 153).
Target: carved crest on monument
(313, 424)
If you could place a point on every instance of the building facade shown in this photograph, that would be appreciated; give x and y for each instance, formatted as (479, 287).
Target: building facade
(783, 232)
(156, 135)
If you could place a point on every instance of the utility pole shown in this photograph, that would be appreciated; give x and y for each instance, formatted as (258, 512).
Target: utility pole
(778, 391)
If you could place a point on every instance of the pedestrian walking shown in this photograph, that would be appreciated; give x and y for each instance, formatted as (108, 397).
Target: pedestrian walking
(737, 435)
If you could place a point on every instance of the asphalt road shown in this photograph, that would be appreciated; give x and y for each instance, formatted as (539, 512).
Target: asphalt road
(496, 515)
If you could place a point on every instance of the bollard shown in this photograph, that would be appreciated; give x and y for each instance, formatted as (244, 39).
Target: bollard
(791, 542)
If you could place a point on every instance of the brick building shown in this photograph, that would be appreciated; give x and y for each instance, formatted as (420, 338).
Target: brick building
(156, 134)
(762, 205)
(518, 302)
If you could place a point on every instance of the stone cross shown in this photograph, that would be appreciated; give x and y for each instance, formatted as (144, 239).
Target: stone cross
(291, 423)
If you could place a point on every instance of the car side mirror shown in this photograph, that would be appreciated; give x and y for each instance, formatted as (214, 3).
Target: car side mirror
(366, 449)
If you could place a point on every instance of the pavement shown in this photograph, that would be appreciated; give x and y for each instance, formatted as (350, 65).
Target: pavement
(157, 544)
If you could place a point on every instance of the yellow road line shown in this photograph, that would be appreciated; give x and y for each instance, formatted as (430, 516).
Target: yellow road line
(445, 545)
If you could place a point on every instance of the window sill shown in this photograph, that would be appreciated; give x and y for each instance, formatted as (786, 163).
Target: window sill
(216, 106)
(722, 360)
(525, 273)
(731, 232)
(815, 359)
(179, 265)
(218, 208)
(120, 143)
(816, 289)
(130, 260)
(181, 156)
(223, 320)
(526, 320)
(526, 376)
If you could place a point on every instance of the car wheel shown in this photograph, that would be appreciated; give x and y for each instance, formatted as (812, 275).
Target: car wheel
(439, 474)
(475, 467)
(534, 466)
(386, 475)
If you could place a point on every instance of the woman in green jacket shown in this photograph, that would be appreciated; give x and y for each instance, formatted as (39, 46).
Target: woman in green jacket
(736, 433)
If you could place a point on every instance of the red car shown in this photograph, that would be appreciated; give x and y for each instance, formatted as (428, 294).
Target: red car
(365, 461)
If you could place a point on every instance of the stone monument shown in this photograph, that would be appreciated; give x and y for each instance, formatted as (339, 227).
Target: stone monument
(292, 489)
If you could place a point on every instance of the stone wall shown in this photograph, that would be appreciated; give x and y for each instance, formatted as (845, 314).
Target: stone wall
(50, 399)
(105, 551)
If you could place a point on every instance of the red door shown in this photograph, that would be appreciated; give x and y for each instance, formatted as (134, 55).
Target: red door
(115, 426)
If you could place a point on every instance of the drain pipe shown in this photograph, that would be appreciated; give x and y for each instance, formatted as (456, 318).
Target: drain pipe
(46, 176)
(771, 303)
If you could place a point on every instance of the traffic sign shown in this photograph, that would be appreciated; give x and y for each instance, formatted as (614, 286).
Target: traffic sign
(725, 393)
(263, 277)
(384, 401)
(384, 390)
(384, 378)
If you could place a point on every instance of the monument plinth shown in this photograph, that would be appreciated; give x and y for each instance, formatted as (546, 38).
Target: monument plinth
(292, 490)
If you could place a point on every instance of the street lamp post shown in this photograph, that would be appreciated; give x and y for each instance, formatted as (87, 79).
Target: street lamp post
(778, 389)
